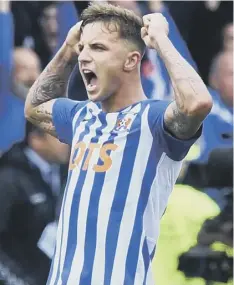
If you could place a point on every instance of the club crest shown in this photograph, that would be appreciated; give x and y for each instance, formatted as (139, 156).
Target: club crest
(125, 123)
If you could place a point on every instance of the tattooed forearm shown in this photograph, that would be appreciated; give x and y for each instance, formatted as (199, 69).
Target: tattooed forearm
(192, 99)
(52, 83)
(47, 88)
(182, 74)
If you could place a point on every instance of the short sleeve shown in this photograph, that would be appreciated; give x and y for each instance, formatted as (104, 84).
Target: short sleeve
(63, 114)
(175, 148)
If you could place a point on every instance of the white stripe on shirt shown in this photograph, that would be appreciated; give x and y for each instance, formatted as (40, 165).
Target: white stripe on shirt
(134, 190)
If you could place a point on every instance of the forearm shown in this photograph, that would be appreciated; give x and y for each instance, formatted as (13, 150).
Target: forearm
(52, 82)
(191, 94)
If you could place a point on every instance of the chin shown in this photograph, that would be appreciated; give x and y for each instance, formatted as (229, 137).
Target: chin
(93, 98)
(97, 97)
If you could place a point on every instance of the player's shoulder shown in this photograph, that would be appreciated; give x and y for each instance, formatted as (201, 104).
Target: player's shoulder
(156, 104)
(69, 104)
(156, 107)
(155, 111)
(67, 108)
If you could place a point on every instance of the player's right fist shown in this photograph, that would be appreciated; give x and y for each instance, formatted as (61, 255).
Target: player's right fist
(73, 37)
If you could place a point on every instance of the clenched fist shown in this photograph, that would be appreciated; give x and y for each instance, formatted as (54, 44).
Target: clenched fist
(73, 37)
(154, 24)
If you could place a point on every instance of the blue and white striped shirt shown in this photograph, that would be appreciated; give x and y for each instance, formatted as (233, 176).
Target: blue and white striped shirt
(122, 170)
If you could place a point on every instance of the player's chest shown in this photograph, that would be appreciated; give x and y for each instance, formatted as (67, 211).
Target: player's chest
(98, 144)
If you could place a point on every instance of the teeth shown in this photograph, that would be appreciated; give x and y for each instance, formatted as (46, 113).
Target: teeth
(87, 71)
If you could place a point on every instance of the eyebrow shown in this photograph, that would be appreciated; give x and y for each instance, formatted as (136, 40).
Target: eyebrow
(97, 42)
(104, 44)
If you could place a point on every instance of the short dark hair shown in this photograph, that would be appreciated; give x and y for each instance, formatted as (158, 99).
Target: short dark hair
(126, 22)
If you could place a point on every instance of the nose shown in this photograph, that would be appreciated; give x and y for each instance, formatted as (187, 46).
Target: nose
(84, 56)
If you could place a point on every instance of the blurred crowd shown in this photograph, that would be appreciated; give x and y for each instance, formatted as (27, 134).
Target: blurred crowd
(195, 245)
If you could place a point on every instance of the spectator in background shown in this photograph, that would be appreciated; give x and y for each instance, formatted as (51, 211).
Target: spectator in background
(30, 186)
(218, 126)
(228, 37)
(26, 66)
(49, 25)
(45, 47)
(36, 27)
(26, 69)
(201, 24)
(221, 77)
(18, 70)
(12, 119)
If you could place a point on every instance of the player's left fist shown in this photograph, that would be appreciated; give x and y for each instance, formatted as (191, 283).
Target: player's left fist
(154, 24)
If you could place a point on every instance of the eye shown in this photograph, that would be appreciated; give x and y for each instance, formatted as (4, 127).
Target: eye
(80, 47)
(98, 47)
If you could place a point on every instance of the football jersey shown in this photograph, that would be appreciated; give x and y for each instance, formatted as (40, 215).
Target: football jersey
(122, 169)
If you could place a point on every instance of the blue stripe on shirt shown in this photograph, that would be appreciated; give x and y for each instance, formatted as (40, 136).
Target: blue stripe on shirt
(72, 232)
(91, 228)
(120, 197)
(149, 175)
(83, 112)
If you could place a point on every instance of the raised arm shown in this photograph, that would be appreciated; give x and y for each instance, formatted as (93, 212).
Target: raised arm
(184, 116)
(52, 83)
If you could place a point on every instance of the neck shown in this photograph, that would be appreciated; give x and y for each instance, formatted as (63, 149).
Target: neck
(130, 92)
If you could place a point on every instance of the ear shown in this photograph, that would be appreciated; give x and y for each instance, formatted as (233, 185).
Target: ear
(132, 61)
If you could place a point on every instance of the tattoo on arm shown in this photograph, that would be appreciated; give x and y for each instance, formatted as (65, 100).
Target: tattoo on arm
(42, 118)
(45, 125)
(51, 84)
(179, 124)
(192, 102)
(49, 87)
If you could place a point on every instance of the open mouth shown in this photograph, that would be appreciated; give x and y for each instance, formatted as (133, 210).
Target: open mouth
(90, 78)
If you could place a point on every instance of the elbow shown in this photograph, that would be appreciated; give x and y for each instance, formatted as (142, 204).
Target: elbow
(208, 104)
(27, 111)
(201, 106)
(28, 107)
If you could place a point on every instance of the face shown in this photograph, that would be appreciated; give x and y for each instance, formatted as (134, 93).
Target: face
(49, 25)
(26, 67)
(225, 78)
(101, 61)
